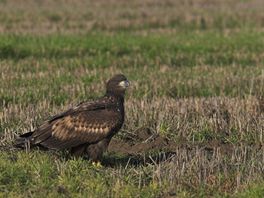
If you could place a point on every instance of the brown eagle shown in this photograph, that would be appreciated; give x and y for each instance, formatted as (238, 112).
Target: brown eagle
(86, 128)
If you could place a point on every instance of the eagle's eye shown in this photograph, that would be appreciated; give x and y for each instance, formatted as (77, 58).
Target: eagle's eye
(124, 84)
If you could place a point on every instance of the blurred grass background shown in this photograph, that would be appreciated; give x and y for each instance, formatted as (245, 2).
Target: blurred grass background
(197, 76)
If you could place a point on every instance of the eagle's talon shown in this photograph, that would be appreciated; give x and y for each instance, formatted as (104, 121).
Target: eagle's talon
(97, 164)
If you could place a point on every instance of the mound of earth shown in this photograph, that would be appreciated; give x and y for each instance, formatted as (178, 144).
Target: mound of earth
(142, 141)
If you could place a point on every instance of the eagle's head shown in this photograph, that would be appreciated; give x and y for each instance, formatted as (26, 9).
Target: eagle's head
(117, 85)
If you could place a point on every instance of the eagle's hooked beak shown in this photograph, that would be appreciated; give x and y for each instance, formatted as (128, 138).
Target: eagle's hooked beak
(125, 84)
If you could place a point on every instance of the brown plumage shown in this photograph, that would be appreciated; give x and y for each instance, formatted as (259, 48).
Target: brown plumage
(86, 128)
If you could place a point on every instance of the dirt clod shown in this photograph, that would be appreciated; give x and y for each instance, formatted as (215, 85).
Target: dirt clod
(144, 141)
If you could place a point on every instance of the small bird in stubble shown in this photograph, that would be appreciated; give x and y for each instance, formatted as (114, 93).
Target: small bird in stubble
(86, 128)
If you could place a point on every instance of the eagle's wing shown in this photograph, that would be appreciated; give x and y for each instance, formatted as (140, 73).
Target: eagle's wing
(85, 106)
(86, 123)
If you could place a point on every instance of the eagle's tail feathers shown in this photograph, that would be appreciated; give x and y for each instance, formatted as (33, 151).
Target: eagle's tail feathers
(23, 141)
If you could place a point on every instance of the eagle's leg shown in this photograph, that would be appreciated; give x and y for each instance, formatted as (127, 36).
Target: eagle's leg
(78, 151)
(95, 151)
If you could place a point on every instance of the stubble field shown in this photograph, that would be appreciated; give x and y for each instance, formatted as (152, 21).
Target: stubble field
(194, 112)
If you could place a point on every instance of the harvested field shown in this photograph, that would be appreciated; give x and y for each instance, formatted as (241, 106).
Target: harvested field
(194, 113)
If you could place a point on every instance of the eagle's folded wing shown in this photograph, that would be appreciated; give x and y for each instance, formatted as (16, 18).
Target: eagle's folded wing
(85, 106)
(74, 130)
(88, 122)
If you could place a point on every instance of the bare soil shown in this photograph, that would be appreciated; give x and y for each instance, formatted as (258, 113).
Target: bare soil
(144, 142)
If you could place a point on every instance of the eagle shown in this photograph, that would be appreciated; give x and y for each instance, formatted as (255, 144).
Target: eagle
(85, 129)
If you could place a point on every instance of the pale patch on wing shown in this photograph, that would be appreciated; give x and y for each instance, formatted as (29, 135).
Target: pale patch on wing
(105, 129)
(69, 128)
